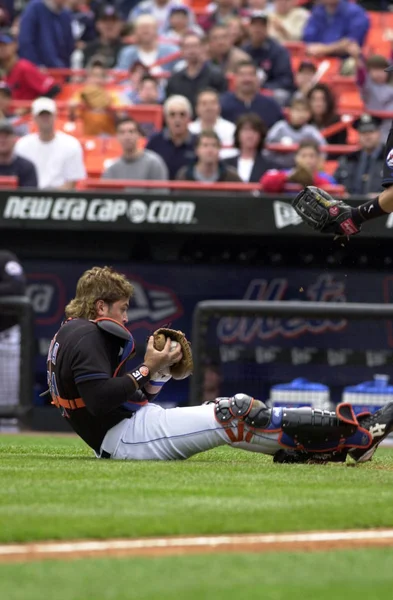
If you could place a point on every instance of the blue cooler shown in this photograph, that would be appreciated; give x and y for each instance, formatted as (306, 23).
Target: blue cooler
(300, 392)
(369, 396)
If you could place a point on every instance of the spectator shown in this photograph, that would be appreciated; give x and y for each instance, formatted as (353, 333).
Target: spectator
(237, 31)
(250, 136)
(305, 77)
(323, 112)
(149, 91)
(360, 171)
(271, 58)
(222, 52)
(147, 49)
(208, 112)
(96, 104)
(24, 79)
(12, 165)
(293, 131)
(333, 24)
(180, 22)
(159, 9)
(82, 23)
(18, 123)
(135, 163)
(224, 10)
(197, 74)
(57, 156)
(307, 171)
(375, 84)
(287, 21)
(45, 36)
(108, 44)
(207, 167)
(175, 144)
(7, 13)
(246, 98)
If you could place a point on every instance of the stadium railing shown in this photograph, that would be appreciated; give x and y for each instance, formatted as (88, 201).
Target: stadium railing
(202, 342)
(20, 308)
(119, 184)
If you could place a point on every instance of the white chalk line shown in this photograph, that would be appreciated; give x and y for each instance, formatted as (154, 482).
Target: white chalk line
(71, 547)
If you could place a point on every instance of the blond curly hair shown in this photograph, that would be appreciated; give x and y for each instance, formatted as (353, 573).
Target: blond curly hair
(98, 283)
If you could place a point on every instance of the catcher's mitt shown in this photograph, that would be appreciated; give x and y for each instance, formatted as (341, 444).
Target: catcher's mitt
(183, 368)
(301, 175)
(323, 213)
(95, 97)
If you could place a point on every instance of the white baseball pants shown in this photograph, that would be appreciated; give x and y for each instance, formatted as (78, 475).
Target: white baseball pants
(156, 433)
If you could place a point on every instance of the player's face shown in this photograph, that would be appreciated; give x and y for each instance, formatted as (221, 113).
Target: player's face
(299, 115)
(208, 151)
(128, 136)
(208, 107)
(7, 142)
(118, 311)
(308, 158)
(378, 75)
(97, 76)
(249, 138)
(370, 139)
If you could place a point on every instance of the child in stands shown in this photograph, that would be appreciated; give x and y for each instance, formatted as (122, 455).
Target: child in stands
(308, 170)
(293, 131)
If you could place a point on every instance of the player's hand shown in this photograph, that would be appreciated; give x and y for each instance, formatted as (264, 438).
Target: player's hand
(157, 360)
(323, 213)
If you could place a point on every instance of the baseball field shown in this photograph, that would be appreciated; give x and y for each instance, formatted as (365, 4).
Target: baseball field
(165, 530)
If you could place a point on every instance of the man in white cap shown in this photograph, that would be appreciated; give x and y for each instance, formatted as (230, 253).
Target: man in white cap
(57, 156)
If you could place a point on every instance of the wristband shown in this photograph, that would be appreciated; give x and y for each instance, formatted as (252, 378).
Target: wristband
(141, 375)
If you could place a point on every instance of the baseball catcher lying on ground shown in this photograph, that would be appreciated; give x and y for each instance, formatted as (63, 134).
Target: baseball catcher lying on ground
(112, 407)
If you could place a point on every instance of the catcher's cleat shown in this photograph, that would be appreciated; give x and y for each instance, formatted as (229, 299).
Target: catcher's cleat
(316, 458)
(379, 425)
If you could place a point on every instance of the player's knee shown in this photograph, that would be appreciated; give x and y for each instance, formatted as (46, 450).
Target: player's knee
(243, 408)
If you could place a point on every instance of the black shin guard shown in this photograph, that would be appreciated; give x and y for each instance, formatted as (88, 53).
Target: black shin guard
(306, 425)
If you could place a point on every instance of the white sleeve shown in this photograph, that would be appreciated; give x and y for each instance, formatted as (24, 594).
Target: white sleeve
(74, 167)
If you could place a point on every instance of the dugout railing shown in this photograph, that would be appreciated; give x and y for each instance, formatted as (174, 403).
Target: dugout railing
(216, 309)
(20, 309)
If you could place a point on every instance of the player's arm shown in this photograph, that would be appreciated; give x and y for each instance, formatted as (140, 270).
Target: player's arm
(385, 200)
(91, 370)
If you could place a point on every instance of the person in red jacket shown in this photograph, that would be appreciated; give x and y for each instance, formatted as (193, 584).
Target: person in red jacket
(308, 161)
(24, 79)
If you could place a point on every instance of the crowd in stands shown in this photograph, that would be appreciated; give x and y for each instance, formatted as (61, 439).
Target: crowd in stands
(246, 91)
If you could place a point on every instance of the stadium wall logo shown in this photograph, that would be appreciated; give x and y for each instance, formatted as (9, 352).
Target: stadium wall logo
(243, 329)
(152, 305)
(48, 296)
(285, 215)
(103, 210)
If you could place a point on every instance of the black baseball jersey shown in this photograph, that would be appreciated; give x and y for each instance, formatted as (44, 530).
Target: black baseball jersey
(88, 381)
(387, 173)
(12, 283)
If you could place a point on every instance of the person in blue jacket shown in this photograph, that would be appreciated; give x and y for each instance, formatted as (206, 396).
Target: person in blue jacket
(45, 36)
(333, 24)
(271, 58)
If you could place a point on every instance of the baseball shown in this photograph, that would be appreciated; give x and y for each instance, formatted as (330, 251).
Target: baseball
(174, 345)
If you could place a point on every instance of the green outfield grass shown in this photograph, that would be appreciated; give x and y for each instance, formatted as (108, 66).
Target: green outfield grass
(51, 488)
(348, 575)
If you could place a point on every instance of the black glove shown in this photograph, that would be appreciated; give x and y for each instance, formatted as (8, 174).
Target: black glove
(323, 213)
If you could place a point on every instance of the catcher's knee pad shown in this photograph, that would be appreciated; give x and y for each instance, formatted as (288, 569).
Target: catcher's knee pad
(242, 408)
